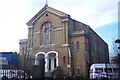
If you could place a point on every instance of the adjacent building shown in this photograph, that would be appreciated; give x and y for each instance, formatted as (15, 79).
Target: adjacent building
(23, 53)
(63, 42)
(8, 60)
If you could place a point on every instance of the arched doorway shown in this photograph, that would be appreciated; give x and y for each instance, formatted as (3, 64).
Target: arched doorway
(39, 67)
(52, 59)
(38, 57)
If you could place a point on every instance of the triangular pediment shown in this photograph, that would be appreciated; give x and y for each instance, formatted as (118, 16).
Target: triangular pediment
(46, 8)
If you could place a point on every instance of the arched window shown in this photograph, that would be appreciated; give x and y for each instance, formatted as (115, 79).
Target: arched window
(72, 46)
(77, 46)
(64, 60)
(78, 71)
(22, 50)
(46, 34)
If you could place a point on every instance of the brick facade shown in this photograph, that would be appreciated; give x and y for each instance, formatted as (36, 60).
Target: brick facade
(74, 44)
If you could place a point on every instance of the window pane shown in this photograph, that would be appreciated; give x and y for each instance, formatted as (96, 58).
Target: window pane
(64, 60)
(46, 33)
(77, 46)
(23, 50)
(108, 70)
(99, 70)
(72, 46)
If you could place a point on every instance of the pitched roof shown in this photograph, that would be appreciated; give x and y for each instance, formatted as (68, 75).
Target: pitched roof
(43, 10)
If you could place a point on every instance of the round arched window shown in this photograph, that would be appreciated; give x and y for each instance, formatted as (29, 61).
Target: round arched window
(46, 33)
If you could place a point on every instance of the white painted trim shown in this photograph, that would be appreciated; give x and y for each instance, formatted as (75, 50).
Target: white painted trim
(52, 52)
(57, 29)
(30, 27)
(55, 56)
(36, 32)
(36, 61)
(65, 45)
(47, 46)
(46, 58)
(64, 20)
(39, 53)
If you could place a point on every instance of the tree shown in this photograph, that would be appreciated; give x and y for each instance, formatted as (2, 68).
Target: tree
(38, 71)
(116, 58)
(116, 53)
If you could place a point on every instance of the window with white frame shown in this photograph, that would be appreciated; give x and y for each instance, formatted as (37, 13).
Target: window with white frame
(46, 34)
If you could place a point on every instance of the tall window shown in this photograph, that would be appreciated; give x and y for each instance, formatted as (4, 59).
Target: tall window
(26, 50)
(72, 46)
(46, 34)
(78, 71)
(77, 46)
(64, 60)
(22, 50)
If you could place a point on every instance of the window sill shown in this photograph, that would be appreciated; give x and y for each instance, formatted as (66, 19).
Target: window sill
(47, 46)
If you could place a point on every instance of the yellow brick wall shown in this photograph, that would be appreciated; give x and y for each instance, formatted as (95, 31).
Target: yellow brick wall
(60, 45)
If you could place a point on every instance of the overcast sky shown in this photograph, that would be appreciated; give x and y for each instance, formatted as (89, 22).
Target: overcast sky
(14, 14)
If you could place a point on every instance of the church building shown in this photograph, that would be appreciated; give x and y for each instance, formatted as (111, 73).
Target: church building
(65, 44)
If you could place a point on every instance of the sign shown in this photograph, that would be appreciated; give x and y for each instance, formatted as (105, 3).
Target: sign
(3, 61)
